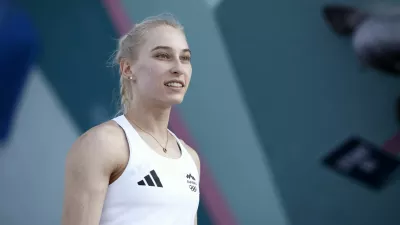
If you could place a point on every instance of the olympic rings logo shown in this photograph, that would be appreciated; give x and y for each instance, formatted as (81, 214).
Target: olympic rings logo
(193, 188)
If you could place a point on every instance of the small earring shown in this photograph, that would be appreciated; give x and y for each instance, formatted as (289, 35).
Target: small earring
(129, 78)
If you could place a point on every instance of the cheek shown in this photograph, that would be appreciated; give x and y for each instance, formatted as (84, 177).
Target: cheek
(151, 77)
(188, 76)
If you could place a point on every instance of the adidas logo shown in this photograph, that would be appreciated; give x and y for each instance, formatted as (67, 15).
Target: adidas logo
(149, 180)
(189, 176)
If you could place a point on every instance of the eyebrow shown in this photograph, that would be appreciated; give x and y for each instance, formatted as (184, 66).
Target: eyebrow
(169, 48)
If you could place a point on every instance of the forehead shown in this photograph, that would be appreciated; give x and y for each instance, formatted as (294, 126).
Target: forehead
(165, 36)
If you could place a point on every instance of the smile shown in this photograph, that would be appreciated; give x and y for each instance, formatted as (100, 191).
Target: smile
(174, 84)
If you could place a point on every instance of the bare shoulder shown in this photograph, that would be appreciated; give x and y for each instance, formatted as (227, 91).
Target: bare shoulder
(90, 164)
(104, 144)
(193, 153)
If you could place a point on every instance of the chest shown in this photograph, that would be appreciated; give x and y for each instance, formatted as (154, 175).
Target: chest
(172, 147)
(158, 183)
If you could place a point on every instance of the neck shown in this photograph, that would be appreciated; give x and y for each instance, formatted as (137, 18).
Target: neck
(150, 118)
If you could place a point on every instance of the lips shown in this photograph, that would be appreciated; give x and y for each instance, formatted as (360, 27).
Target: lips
(174, 83)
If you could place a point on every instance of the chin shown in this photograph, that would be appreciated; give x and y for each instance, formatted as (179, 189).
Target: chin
(175, 101)
(172, 100)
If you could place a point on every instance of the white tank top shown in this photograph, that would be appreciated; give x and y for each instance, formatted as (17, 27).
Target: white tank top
(153, 189)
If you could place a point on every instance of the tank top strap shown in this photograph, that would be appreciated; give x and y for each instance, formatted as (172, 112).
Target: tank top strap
(186, 156)
(180, 144)
(132, 136)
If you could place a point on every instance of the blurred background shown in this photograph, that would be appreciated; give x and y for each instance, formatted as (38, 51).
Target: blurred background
(273, 91)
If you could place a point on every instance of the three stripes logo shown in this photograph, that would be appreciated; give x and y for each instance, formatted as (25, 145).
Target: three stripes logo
(149, 180)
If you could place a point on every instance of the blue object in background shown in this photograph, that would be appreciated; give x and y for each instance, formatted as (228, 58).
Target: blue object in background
(18, 49)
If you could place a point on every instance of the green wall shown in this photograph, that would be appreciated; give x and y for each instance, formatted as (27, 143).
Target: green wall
(307, 92)
(77, 40)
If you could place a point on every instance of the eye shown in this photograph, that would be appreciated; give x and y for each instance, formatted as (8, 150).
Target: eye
(162, 56)
(186, 58)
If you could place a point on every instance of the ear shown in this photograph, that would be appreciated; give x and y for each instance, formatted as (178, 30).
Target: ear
(342, 19)
(126, 69)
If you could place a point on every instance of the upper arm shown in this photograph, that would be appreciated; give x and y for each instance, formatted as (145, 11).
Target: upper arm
(89, 165)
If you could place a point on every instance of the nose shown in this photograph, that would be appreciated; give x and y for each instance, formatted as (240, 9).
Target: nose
(177, 68)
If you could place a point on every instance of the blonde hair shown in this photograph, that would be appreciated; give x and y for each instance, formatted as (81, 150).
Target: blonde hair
(129, 45)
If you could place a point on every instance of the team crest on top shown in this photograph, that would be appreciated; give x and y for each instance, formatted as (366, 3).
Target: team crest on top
(192, 182)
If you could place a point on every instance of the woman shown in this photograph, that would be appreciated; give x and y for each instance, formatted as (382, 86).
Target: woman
(132, 170)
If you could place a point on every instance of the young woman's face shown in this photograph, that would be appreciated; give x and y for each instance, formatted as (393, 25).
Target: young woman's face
(163, 67)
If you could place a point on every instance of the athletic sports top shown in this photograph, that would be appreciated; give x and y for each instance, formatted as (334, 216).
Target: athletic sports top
(153, 189)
